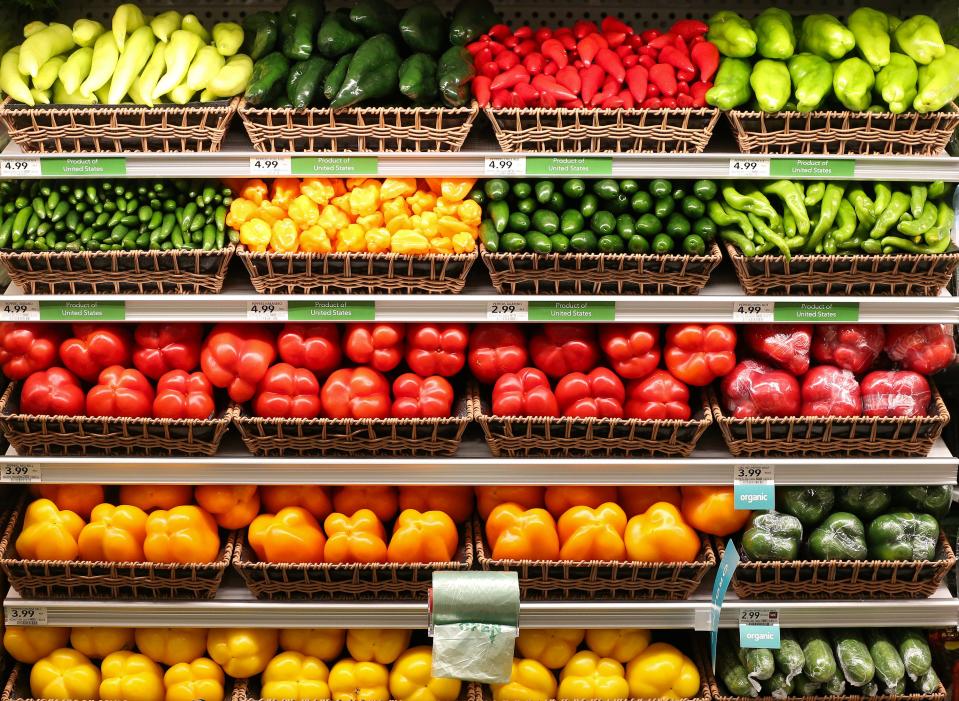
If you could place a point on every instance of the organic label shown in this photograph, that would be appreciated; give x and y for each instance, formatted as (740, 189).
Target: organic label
(267, 310)
(812, 168)
(82, 311)
(568, 166)
(759, 628)
(754, 487)
(328, 310)
(724, 575)
(816, 311)
(279, 165)
(20, 311)
(572, 311)
(751, 312)
(749, 167)
(504, 167)
(24, 615)
(83, 167)
(507, 311)
(19, 472)
(335, 166)
(21, 168)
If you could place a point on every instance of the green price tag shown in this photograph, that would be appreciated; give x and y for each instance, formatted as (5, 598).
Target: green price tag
(82, 311)
(327, 310)
(572, 311)
(816, 311)
(568, 166)
(83, 167)
(335, 166)
(812, 168)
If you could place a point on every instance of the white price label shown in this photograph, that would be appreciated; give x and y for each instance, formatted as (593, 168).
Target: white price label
(267, 310)
(749, 167)
(20, 311)
(271, 167)
(21, 168)
(24, 615)
(19, 472)
(753, 311)
(507, 311)
(754, 474)
(759, 617)
(501, 167)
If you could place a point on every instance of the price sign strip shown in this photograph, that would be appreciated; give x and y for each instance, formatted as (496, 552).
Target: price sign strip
(20, 473)
(507, 311)
(20, 311)
(798, 312)
(25, 615)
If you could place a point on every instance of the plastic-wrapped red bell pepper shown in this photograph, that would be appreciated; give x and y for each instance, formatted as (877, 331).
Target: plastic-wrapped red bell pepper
(895, 393)
(922, 348)
(657, 396)
(437, 349)
(524, 393)
(121, 392)
(784, 346)
(599, 394)
(416, 397)
(160, 348)
(95, 347)
(496, 349)
(852, 347)
(559, 349)
(380, 346)
(632, 349)
(356, 393)
(830, 391)
(697, 354)
(754, 389)
(28, 348)
(288, 392)
(183, 395)
(52, 392)
(235, 357)
(315, 347)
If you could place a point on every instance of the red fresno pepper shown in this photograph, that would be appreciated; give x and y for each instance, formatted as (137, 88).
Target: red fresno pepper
(554, 51)
(422, 397)
(755, 389)
(481, 89)
(599, 394)
(854, 347)
(437, 349)
(235, 357)
(28, 348)
(507, 60)
(698, 92)
(632, 349)
(657, 396)
(524, 393)
(496, 349)
(356, 393)
(610, 62)
(527, 93)
(637, 80)
(784, 345)
(895, 393)
(697, 354)
(626, 98)
(568, 77)
(677, 59)
(499, 32)
(121, 392)
(591, 79)
(705, 57)
(542, 34)
(315, 347)
(509, 78)
(923, 348)
(611, 24)
(160, 348)
(588, 47)
(584, 27)
(95, 347)
(689, 28)
(830, 391)
(661, 41)
(664, 77)
(182, 395)
(52, 392)
(534, 63)
(559, 349)
(545, 84)
(288, 392)
(380, 346)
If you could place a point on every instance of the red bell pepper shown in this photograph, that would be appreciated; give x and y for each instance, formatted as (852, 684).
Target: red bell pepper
(524, 393)
(600, 394)
(437, 349)
(496, 349)
(52, 392)
(159, 348)
(315, 347)
(28, 348)
(895, 393)
(380, 346)
(705, 57)
(417, 397)
(235, 357)
(663, 76)
(559, 349)
(356, 393)
(95, 347)
(698, 354)
(922, 348)
(632, 349)
(754, 389)
(121, 392)
(657, 396)
(183, 395)
(288, 392)
(830, 391)
(785, 346)
(854, 347)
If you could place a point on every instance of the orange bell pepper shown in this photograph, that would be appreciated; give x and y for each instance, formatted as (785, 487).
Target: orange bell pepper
(170, 646)
(97, 643)
(233, 506)
(635, 499)
(380, 499)
(456, 189)
(713, 510)
(292, 535)
(553, 647)
(151, 497)
(254, 190)
(527, 496)
(661, 535)
(78, 498)
(184, 534)
(592, 534)
(622, 644)
(312, 497)
(515, 534)
(428, 536)
(114, 534)
(320, 190)
(560, 499)
(49, 533)
(284, 191)
(397, 187)
(322, 643)
(454, 501)
(356, 538)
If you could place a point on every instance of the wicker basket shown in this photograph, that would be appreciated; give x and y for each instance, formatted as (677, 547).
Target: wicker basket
(901, 274)
(828, 435)
(600, 273)
(118, 128)
(119, 272)
(98, 435)
(567, 436)
(356, 273)
(81, 579)
(372, 129)
(17, 687)
(845, 133)
(249, 690)
(325, 580)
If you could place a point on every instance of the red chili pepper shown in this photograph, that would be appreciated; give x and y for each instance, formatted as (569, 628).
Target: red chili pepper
(614, 39)
(609, 62)
(637, 80)
(669, 103)
(652, 103)
(590, 78)
(698, 39)
(573, 104)
(507, 60)
(613, 103)
(610, 88)
(636, 41)
(627, 97)
(662, 75)
(611, 24)
(648, 51)
(676, 58)
(650, 34)
(490, 70)
(524, 32)
(534, 63)
(651, 90)
(686, 75)
(547, 101)
(646, 62)
(497, 48)
(501, 99)
(569, 78)
(542, 34)
(476, 46)
(566, 39)
(685, 101)
(688, 28)
(680, 43)
(551, 68)
(511, 42)
(682, 87)
(553, 50)
(526, 91)
(482, 56)
(526, 47)
(705, 56)
(698, 92)
(661, 41)
(588, 47)
(551, 86)
(481, 89)
(499, 32)
(516, 101)
(507, 79)
(579, 65)
(584, 27)
(631, 60)
(624, 51)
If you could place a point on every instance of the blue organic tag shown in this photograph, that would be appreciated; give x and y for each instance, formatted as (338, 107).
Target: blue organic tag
(755, 496)
(759, 628)
(724, 576)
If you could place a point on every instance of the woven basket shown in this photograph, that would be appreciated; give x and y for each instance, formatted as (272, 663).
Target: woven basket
(17, 687)
(118, 128)
(373, 129)
(600, 273)
(567, 436)
(603, 131)
(119, 272)
(845, 133)
(98, 435)
(900, 274)
(249, 690)
(81, 579)
(325, 580)
(356, 273)
(828, 435)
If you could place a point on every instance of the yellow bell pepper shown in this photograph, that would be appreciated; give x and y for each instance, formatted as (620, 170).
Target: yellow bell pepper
(411, 678)
(320, 190)
(241, 211)
(622, 644)
(184, 534)
(333, 219)
(242, 652)
(463, 243)
(409, 242)
(130, 676)
(400, 221)
(170, 646)
(426, 223)
(285, 238)
(342, 203)
(271, 213)
(374, 645)
(254, 190)
(200, 679)
(304, 212)
(65, 675)
(371, 221)
(448, 226)
(553, 647)
(397, 187)
(359, 681)
(295, 677)
(456, 189)
(114, 534)
(365, 199)
(49, 533)
(589, 676)
(662, 672)
(378, 240)
(529, 680)
(315, 240)
(421, 201)
(97, 643)
(445, 207)
(442, 245)
(284, 191)
(323, 643)
(28, 644)
(394, 208)
(255, 235)
(352, 239)
(470, 212)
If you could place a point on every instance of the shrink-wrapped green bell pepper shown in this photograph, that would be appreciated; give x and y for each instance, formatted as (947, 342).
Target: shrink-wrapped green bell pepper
(864, 502)
(809, 504)
(903, 535)
(770, 535)
(934, 499)
(840, 536)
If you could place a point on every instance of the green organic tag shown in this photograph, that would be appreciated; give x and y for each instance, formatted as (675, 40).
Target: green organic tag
(82, 311)
(812, 168)
(568, 166)
(572, 311)
(328, 310)
(83, 167)
(816, 311)
(335, 166)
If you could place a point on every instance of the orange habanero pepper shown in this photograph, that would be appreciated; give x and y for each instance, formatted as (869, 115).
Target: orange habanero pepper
(254, 190)
(429, 536)
(592, 534)
(233, 506)
(284, 191)
(515, 534)
(292, 535)
(357, 538)
(713, 510)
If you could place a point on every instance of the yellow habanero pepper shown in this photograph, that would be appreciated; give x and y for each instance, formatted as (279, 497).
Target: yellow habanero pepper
(130, 676)
(410, 243)
(375, 645)
(456, 189)
(365, 199)
(421, 201)
(377, 240)
(662, 672)
(240, 212)
(28, 644)
(622, 644)
(63, 675)
(529, 680)
(589, 676)
(323, 643)
(114, 534)
(352, 183)
(242, 652)
(200, 679)
(351, 239)
(285, 237)
(170, 646)
(442, 245)
(371, 221)
(320, 190)
(255, 235)
(284, 191)
(463, 243)
(254, 190)
(470, 212)
(411, 678)
(49, 533)
(315, 240)
(343, 204)
(448, 226)
(394, 208)
(426, 223)
(271, 213)
(359, 681)
(552, 647)
(397, 187)
(332, 218)
(97, 643)
(295, 677)
(445, 208)
(304, 211)
(398, 222)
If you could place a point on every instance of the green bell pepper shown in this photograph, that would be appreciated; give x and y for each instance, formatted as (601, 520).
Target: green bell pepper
(337, 36)
(375, 17)
(423, 28)
(934, 499)
(299, 20)
(938, 82)
(920, 39)
(454, 72)
(825, 36)
(864, 502)
(261, 30)
(903, 535)
(417, 78)
(770, 83)
(373, 72)
(812, 80)
(732, 34)
(775, 35)
(871, 29)
(840, 536)
(731, 88)
(896, 83)
(771, 535)
(471, 18)
(852, 82)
